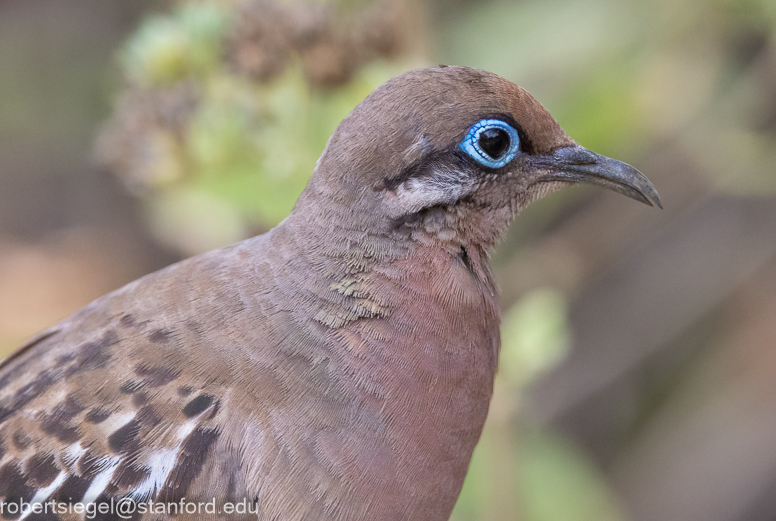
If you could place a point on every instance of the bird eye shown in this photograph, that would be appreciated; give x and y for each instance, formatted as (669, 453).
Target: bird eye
(491, 142)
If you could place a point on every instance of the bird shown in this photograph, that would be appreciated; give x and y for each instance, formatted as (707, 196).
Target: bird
(337, 367)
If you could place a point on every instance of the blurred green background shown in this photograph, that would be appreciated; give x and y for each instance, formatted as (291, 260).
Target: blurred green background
(638, 375)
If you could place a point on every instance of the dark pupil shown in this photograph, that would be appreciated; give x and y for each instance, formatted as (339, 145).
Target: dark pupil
(494, 142)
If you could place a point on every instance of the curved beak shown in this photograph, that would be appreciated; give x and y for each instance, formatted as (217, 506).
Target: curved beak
(578, 164)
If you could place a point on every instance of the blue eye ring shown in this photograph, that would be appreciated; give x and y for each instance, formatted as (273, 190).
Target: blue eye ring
(471, 143)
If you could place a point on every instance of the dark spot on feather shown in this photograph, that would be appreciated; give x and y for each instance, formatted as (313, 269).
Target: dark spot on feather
(42, 469)
(72, 490)
(139, 399)
(26, 394)
(32, 390)
(93, 355)
(130, 387)
(214, 410)
(7, 377)
(195, 327)
(129, 474)
(2, 449)
(20, 440)
(160, 336)
(16, 358)
(66, 358)
(97, 415)
(185, 390)
(463, 255)
(231, 488)
(127, 320)
(193, 455)
(148, 416)
(88, 464)
(14, 486)
(71, 407)
(124, 438)
(156, 376)
(58, 423)
(61, 430)
(197, 405)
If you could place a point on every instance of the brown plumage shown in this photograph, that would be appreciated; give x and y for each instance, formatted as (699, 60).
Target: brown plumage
(339, 366)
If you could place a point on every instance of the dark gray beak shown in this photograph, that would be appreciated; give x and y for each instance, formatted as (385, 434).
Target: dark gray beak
(578, 164)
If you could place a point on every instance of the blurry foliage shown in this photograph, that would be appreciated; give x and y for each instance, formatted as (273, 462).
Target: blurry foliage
(535, 336)
(166, 49)
(228, 107)
(520, 472)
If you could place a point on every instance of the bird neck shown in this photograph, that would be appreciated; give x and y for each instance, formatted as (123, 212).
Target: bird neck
(355, 259)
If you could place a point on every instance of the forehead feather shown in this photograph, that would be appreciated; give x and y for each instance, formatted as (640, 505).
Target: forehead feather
(442, 103)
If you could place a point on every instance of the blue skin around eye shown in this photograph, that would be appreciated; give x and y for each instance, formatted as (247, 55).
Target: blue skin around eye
(471, 143)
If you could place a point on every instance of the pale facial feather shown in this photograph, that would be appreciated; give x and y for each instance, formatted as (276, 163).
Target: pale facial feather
(442, 187)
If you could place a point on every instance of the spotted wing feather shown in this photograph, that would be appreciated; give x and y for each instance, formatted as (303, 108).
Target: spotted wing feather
(119, 401)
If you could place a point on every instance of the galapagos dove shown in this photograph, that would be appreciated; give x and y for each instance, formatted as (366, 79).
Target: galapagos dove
(338, 367)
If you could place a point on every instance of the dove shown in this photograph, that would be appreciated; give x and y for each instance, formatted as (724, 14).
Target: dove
(338, 367)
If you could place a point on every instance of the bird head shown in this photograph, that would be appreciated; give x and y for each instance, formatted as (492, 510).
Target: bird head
(459, 146)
